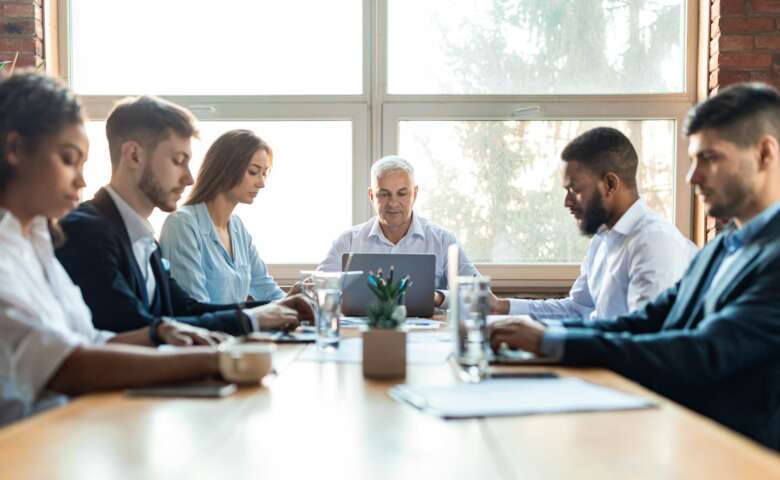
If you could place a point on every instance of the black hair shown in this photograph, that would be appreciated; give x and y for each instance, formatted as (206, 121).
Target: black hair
(741, 113)
(35, 106)
(604, 150)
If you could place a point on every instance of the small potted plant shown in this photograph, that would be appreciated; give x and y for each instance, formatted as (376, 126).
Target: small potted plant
(384, 343)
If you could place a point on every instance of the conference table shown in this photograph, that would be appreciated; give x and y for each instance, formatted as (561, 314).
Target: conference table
(317, 420)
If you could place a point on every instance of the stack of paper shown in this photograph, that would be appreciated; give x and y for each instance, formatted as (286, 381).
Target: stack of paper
(516, 397)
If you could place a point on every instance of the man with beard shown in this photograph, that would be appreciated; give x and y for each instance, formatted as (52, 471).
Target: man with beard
(711, 342)
(111, 253)
(634, 254)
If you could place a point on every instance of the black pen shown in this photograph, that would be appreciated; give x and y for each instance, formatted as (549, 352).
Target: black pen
(524, 375)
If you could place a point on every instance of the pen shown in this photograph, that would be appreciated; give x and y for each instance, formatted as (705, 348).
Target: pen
(524, 375)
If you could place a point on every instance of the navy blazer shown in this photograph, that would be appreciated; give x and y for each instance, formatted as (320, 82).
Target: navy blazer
(716, 352)
(99, 257)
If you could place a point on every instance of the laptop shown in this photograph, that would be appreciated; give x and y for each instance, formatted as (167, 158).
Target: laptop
(421, 269)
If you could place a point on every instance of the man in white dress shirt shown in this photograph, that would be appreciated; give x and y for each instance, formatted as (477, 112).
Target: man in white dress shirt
(396, 228)
(634, 254)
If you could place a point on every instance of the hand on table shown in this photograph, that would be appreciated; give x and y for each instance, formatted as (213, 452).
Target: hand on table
(517, 332)
(274, 316)
(183, 335)
(498, 306)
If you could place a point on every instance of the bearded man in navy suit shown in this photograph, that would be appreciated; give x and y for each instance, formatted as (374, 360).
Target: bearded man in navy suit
(712, 341)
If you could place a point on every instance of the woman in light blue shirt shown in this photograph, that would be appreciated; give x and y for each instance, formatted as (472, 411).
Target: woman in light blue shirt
(210, 251)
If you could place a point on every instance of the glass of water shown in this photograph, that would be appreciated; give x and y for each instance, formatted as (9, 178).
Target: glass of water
(472, 344)
(327, 290)
(306, 285)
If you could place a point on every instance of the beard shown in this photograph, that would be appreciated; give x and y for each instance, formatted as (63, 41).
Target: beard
(736, 194)
(155, 192)
(594, 216)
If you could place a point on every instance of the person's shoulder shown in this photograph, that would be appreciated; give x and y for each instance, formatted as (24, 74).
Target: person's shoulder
(437, 231)
(86, 220)
(184, 216)
(359, 230)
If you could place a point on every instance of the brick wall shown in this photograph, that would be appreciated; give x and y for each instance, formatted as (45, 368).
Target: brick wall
(21, 31)
(745, 42)
(744, 46)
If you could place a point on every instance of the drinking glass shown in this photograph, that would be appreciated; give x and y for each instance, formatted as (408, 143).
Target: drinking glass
(472, 344)
(327, 290)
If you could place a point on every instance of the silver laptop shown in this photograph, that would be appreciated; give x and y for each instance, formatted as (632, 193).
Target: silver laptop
(421, 268)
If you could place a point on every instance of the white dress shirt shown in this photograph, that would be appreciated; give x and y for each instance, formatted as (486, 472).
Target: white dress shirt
(141, 235)
(43, 317)
(422, 237)
(625, 267)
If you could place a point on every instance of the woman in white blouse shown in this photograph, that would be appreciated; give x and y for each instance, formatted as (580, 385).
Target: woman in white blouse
(48, 345)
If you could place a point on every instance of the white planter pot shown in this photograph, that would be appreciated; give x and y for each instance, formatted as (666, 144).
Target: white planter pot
(384, 353)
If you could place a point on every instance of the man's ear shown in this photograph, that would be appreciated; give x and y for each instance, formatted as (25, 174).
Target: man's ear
(13, 148)
(370, 194)
(768, 151)
(132, 154)
(611, 183)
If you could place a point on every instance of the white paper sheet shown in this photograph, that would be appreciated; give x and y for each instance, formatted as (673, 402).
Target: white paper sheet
(516, 397)
(350, 350)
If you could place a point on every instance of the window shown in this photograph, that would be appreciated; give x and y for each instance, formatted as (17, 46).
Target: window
(480, 95)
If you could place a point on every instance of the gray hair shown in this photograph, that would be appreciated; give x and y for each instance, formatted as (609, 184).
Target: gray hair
(388, 164)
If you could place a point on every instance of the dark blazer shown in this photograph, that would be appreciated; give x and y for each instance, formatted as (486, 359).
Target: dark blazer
(716, 352)
(99, 257)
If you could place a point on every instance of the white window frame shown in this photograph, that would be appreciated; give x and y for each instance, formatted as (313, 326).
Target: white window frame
(375, 116)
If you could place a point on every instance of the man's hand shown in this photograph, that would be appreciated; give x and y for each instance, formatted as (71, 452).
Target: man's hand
(498, 306)
(517, 332)
(301, 304)
(438, 298)
(183, 335)
(274, 316)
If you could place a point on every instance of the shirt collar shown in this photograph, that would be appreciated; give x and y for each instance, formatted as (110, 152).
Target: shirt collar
(138, 227)
(11, 229)
(631, 217)
(415, 229)
(737, 238)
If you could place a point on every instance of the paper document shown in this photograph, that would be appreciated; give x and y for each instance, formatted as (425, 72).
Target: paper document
(411, 323)
(492, 398)
(351, 351)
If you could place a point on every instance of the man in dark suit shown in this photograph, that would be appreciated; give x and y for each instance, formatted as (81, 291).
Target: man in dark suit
(712, 341)
(111, 253)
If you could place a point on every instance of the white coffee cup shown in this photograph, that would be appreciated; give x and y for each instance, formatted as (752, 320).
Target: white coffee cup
(245, 362)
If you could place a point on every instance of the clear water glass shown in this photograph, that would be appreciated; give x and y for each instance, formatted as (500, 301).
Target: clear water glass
(306, 283)
(472, 348)
(327, 288)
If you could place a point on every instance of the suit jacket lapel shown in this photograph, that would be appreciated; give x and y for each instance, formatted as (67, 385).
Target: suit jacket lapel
(735, 273)
(106, 206)
(690, 297)
(163, 286)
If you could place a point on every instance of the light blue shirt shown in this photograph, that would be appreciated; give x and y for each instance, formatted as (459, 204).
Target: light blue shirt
(422, 237)
(739, 237)
(202, 266)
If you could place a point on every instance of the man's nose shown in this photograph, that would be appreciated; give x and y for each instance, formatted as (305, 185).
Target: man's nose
(694, 175)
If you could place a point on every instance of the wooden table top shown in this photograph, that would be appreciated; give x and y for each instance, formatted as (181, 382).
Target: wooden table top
(323, 420)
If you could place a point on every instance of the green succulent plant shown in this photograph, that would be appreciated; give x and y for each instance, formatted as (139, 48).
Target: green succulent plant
(381, 314)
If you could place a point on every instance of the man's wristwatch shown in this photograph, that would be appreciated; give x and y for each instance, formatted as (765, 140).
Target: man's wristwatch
(154, 331)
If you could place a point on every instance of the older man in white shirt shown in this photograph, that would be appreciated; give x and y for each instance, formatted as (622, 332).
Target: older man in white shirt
(634, 254)
(396, 228)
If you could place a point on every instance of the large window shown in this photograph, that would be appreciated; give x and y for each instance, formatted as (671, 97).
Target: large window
(481, 95)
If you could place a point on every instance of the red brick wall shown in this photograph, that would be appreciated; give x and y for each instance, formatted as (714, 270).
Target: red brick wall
(21, 30)
(744, 46)
(745, 42)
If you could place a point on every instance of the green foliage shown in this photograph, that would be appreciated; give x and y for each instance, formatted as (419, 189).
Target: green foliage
(506, 217)
(388, 294)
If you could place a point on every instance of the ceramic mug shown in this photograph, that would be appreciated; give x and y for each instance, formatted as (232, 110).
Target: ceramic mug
(245, 362)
